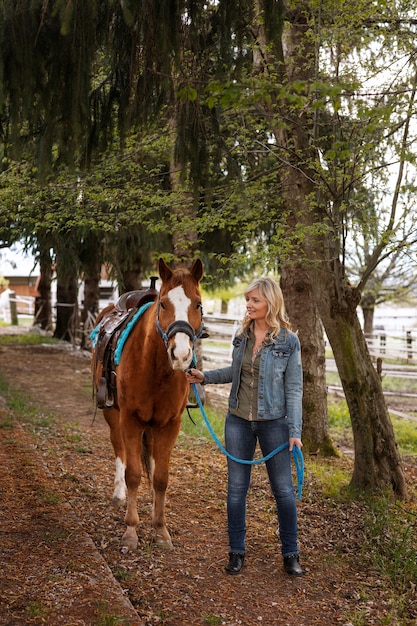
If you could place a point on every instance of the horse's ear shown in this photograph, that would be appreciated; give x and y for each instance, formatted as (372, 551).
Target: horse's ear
(197, 270)
(165, 272)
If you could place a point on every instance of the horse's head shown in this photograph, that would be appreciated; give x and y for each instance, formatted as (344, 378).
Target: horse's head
(180, 317)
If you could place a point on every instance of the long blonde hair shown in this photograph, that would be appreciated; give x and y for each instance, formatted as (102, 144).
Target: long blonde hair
(276, 316)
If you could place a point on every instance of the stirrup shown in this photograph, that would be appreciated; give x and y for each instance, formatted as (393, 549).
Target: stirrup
(103, 399)
(192, 400)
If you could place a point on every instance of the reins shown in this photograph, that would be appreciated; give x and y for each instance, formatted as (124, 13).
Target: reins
(297, 454)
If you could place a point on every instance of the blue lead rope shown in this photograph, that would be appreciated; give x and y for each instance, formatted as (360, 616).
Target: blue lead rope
(297, 454)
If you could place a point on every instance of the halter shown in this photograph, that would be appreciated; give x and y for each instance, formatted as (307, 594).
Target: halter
(180, 326)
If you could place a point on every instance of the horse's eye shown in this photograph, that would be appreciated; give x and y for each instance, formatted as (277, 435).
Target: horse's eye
(163, 305)
(199, 305)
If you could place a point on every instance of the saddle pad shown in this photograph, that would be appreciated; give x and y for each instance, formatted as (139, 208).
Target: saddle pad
(126, 331)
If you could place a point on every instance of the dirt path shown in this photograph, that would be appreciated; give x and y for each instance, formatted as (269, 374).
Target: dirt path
(61, 559)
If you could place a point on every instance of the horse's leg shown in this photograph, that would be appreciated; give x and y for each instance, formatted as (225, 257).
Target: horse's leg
(163, 443)
(112, 417)
(132, 438)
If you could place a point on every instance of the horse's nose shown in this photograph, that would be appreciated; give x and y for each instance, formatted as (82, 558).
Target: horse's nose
(181, 355)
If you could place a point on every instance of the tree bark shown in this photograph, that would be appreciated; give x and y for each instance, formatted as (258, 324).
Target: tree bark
(296, 286)
(91, 297)
(377, 463)
(43, 306)
(66, 307)
(184, 234)
(368, 321)
(296, 283)
(67, 272)
(132, 277)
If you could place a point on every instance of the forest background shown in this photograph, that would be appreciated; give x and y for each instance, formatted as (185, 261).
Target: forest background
(261, 136)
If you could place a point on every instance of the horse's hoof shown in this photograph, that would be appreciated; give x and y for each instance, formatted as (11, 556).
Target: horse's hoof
(164, 542)
(118, 502)
(130, 540)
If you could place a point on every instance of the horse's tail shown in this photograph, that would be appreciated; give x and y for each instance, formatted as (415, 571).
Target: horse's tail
(146, 452)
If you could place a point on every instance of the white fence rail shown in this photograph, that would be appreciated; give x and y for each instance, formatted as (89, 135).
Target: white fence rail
(401, 345)
(396, 345)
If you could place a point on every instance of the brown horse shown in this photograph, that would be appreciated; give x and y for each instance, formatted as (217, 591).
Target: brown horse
(151, 394)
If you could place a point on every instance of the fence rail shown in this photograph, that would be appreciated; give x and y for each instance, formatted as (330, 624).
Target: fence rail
(397, 345)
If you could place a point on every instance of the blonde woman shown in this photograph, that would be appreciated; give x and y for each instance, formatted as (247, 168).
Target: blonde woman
(265, 406)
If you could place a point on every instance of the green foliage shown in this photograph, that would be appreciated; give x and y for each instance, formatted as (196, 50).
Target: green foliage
(390, 541)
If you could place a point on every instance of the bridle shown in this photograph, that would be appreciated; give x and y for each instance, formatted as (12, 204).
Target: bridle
(180, 326)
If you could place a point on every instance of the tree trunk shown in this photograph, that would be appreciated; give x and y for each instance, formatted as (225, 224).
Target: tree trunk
(296, 283)
(296, 287)
(91, 292)
(377, 463)
(368, 321)
(91, 299)
(43, 307)
(66, 309)
(66, 291)
(132, 277)
(184, 235)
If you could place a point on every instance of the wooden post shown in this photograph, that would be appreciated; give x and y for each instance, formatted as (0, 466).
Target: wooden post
(13, 309)
(409, 340)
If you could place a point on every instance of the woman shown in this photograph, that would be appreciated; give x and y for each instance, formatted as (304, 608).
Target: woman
(265, 405)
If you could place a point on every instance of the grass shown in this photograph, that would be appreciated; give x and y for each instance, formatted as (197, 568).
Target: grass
(389, 545)
(105, 616)
(26, 339)
(333, 479)
(213, 620)
(199, 429)
(37, 610)
(391, 531)
(340, 429)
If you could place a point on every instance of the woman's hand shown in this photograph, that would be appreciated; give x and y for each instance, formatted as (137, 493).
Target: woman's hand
(295, 442)
(194, 376)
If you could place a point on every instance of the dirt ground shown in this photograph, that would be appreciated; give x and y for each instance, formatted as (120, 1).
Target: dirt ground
(61, 561)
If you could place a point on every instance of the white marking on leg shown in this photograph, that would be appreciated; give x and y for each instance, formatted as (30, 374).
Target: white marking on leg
(119, 493)
(151, 467)
(182, 350)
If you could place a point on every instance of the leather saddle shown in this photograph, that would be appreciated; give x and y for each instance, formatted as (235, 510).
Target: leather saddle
(111, 325)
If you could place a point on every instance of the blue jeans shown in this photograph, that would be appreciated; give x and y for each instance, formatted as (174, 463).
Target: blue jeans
(241, 437)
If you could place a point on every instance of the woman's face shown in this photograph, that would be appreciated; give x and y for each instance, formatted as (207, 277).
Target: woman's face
(256, 306)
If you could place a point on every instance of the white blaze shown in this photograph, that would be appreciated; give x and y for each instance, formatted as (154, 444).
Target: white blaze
(182, 350)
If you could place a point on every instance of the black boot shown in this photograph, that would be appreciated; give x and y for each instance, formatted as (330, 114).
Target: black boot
(235, 563)
(292, 565)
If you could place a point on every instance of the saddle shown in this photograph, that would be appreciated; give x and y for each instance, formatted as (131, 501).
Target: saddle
(111, 326)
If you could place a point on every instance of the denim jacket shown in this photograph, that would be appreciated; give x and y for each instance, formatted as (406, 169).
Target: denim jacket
(280, 385)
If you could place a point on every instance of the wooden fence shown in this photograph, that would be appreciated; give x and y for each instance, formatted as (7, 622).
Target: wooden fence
(398, 345)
